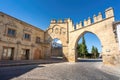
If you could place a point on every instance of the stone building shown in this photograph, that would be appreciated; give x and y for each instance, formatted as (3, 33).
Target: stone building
(20, 40)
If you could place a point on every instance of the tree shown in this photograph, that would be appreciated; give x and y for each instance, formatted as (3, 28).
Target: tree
(79, 49)
(97, 53)
(84, 47)
(94, 52)
(93, 49)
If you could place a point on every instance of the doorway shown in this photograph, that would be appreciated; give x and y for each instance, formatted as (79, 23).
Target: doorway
(25, 54)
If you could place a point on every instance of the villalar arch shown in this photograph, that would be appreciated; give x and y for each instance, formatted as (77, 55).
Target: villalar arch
(20, 40)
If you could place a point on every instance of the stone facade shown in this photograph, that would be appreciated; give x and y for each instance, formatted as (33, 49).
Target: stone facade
(15, 45)
(65, 31)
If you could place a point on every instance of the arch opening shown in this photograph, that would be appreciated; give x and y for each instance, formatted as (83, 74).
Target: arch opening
(56, 48)
(89, 46)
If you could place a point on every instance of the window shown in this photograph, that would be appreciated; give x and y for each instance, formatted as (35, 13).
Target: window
(11, 32)
(8, 53)
(27, 36)
(37, 39)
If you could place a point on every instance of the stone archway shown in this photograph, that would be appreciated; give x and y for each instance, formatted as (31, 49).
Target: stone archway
(106, 36)
(69, 35)
(104, 30)
(59, 31)
(91, 36)
(56, 48)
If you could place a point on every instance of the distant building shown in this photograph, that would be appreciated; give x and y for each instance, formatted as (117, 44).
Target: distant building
(56, 50)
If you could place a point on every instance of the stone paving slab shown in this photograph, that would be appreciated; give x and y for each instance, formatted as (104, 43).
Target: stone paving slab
(110, 69)
(115, 70)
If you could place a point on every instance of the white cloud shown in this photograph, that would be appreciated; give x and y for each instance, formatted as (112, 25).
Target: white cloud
(59, 42)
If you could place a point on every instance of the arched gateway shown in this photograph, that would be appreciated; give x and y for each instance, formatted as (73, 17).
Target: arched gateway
(69, 35)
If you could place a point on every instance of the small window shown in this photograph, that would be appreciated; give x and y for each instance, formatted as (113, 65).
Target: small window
(27, 36)
(11, 32)
(37, 39)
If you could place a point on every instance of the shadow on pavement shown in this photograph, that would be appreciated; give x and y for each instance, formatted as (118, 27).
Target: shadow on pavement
(89, 60)
(14, 69)
(8, 73)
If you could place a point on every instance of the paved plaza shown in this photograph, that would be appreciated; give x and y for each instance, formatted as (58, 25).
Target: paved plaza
(82, 70)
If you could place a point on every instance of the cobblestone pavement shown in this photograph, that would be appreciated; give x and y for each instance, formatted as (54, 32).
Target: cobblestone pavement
(57, 71)
(6, 63)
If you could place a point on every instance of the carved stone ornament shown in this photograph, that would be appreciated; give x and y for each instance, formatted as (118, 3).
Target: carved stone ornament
(50, 31)
(63, 31)
(11, 24)
(56, 30)
(27, 30)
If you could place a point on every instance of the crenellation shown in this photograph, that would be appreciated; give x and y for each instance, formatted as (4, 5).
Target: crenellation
(79, 25)
(109, 12)
(89, 21)
(53, 21)
(60, 21)
(65, 21)
(73, 28)
(85, 22)
(69, 20)
(94, 18)
(97, 18)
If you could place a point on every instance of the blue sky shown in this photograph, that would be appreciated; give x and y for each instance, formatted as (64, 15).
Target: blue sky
(91, 40)
(40, 12)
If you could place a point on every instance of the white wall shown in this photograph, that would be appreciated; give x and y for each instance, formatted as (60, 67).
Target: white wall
(118, 34)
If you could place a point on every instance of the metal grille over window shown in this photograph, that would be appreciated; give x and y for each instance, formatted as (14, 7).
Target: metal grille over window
(11, 32)
(27, 36)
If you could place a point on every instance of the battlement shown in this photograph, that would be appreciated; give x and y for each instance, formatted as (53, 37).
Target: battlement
(54, 21)
(108, 13)
(96, 18)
